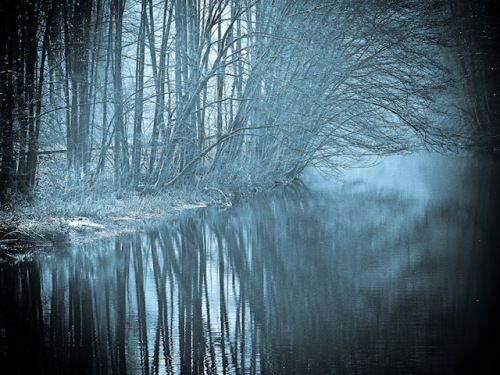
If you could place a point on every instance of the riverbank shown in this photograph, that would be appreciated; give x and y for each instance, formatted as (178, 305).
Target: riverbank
(53, 220)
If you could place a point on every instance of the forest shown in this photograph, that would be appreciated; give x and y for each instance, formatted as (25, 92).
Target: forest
(235, 95)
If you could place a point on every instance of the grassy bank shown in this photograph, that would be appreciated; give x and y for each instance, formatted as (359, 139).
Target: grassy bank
(56, 214)
(59, 216)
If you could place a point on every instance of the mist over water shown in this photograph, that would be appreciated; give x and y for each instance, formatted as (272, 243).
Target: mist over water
(390, 271)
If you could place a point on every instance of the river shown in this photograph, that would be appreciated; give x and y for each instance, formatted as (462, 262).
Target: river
(392, 270)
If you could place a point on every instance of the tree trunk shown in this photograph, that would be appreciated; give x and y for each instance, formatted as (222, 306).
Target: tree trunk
(34, 136)
(139, 97)
(120, 144)
(8, 34)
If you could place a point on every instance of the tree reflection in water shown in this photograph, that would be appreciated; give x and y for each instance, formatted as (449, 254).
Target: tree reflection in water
(291, 282)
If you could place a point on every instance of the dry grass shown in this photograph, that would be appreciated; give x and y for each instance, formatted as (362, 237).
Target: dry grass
(58, 213)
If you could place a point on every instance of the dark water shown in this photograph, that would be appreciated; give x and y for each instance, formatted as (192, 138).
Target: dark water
(391, 272)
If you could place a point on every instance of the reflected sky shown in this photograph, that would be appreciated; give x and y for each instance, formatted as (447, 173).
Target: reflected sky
(376, 274)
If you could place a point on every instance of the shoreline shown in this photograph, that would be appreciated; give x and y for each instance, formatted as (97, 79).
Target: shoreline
(26, 228)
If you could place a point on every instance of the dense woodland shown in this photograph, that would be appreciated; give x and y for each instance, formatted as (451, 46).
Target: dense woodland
(233, 94)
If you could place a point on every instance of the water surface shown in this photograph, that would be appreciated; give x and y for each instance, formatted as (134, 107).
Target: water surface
(392, 271)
